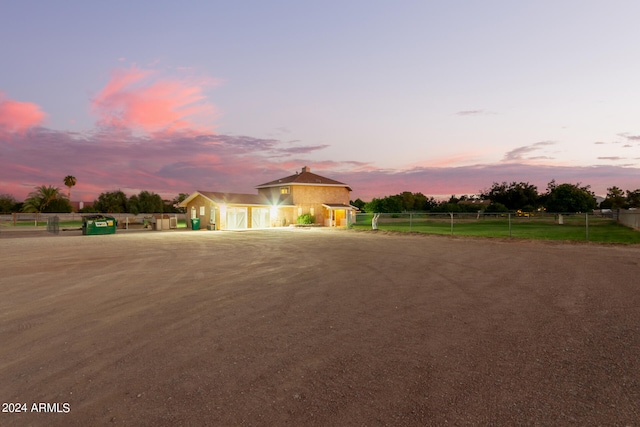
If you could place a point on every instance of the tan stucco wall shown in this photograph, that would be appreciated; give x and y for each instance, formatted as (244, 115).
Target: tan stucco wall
(197, 203)
(306, 197)
(284, 217)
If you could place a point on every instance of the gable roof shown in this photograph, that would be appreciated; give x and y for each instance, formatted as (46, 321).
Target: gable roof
(306, 177)
(239, 199)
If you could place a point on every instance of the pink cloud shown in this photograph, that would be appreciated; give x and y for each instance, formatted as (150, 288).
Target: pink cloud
(453, 160)
(178, 162)
(18, 116)
(135, 98)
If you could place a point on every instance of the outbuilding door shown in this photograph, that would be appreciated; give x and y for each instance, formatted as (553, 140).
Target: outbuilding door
(236, 218)
(259, 217)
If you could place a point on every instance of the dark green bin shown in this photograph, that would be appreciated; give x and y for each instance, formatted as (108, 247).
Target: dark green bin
(98, 224)
(195, 223)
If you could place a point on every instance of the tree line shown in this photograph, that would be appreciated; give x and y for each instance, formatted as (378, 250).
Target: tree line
(505, 197)
(500, 197)
(48, 198)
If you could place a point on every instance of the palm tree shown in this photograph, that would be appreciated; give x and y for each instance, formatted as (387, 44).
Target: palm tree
(42, 197)
(69, 181)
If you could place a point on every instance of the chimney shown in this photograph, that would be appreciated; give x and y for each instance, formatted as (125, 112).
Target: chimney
(306, 169)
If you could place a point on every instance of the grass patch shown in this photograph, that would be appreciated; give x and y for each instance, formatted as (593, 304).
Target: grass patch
(545, 228)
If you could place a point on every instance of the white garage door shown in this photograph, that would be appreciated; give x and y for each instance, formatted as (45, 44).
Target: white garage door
(259, 217)
(236, 218)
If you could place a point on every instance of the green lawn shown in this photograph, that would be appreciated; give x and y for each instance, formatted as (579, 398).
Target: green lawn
(546, 228)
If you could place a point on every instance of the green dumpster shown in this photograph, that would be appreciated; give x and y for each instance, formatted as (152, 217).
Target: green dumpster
(98, 224)
(195, 223)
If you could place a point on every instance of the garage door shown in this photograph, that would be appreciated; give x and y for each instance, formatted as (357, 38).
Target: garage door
(259, 217)
(236, 218)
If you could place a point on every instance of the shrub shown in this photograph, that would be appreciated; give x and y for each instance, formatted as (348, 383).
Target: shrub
(306, 219)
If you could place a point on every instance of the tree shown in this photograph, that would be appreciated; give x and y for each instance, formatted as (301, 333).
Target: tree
(111, 202)
(181, 197)
(389, 204)
(496, 208)
(146, 202)
(7, 203)
(615, 199)
(517, 195)
(633, 198)
(408, 201)
(133, 205)
(69, 181)
(420, 202)
(46, 199)
(375, 205)
(402, 202)
(448, 206)
(569, 198)
(427, 204)
(358, 203)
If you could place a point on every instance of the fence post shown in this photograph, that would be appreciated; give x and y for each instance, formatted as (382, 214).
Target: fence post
(586, 217)
(451, 215)
(509, 224)
(410, 221)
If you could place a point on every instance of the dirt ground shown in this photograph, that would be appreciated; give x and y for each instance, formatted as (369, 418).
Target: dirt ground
(316, 327)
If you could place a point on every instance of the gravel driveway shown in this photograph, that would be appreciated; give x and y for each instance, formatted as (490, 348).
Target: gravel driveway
(316, 327)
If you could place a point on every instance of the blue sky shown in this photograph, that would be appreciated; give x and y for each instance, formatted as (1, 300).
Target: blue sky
(440, 97)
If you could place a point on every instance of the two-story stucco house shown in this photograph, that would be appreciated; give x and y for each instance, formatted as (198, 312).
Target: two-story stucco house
(278, 203)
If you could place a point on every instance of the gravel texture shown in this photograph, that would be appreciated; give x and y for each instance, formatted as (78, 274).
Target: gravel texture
(317, 327)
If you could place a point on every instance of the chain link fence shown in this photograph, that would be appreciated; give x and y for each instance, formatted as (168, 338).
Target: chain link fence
(598, 225)
(43, 219)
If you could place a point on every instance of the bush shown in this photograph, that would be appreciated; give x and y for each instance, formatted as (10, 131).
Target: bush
(496, 208)
(306, 219)
(88, 209)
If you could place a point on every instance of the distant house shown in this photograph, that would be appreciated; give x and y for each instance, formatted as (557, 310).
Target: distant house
(278, 203)
(76, 206)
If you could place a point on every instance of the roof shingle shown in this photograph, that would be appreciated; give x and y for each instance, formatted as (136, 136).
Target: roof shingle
(306, 177)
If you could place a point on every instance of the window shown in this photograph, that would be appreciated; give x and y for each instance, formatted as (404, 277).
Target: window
(284, 190)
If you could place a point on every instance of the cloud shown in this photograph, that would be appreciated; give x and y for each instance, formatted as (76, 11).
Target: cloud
(18, 116)
(107, 159)
(303, 149)
(471, 113)
(181, 162)
(136, 98)
(630, 137)
(612, 158)
(443, 182)
(518, 154)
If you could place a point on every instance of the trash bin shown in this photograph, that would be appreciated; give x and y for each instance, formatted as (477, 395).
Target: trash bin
(195, 223)
(98, 224)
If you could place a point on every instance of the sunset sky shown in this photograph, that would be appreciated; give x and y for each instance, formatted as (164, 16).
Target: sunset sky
(439, 97)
